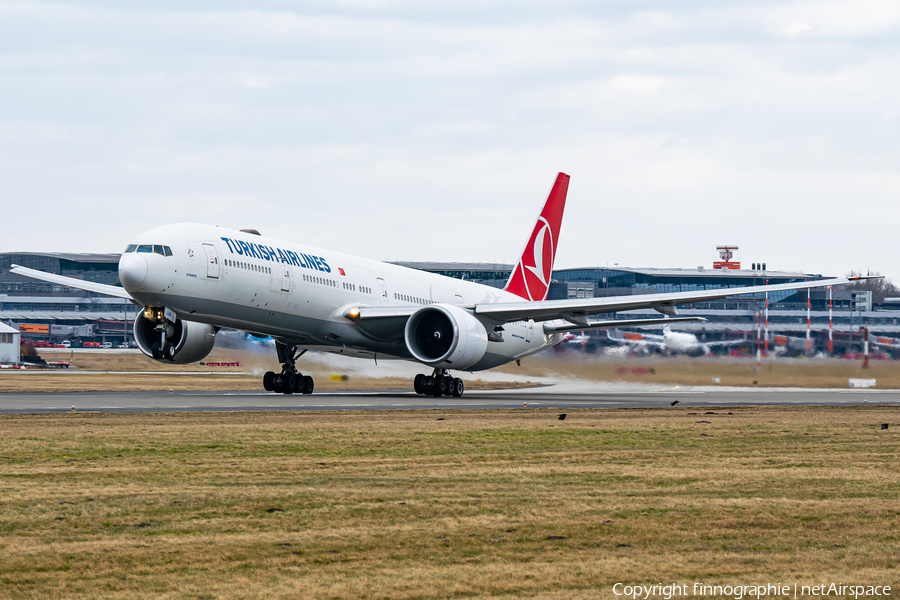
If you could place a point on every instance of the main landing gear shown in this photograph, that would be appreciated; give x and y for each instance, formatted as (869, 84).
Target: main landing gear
(439, 384)
(289, 381)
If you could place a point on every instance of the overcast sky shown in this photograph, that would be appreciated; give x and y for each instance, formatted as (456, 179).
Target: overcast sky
(434, 130)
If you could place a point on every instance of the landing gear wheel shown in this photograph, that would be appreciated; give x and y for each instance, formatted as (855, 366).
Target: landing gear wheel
(440, 387)
(169, 351)
(308, 385)
(277, 384)
(269, 381)
(288, 382)
(419, 384)
(458, 388)
(155, 352)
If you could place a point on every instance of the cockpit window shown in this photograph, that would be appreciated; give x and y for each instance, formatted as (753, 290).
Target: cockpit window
(145, 248)
(168, 250)
(130, 248)
(159, 250)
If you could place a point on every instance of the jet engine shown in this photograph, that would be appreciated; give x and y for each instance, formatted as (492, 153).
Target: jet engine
(445, 336)
(185, 341)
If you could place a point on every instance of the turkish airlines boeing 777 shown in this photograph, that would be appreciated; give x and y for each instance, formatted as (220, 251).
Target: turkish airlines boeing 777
(193, 279)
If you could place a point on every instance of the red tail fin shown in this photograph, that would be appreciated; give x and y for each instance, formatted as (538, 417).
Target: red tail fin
(531, 277)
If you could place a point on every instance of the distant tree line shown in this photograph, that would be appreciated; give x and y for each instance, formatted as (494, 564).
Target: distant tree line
(880, 288)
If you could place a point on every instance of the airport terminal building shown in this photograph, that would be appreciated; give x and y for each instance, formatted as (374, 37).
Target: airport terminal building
(725, 319)
(54, 312)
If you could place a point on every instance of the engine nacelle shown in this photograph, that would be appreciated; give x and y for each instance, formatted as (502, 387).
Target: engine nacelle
(445, 336)
(192, 341)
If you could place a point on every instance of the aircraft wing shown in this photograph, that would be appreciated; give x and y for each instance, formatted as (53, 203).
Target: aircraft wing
(81, 284)
(577, 311)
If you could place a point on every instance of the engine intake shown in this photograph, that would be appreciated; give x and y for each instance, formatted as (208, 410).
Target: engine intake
(445, 336)
(192, 341)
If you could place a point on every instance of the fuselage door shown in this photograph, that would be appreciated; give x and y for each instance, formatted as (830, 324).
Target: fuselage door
(382, 289)
(212, 261)
(285, 277)
(459, 299)
(529, 327)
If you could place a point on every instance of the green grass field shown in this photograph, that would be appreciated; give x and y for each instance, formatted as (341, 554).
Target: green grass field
(460, 504)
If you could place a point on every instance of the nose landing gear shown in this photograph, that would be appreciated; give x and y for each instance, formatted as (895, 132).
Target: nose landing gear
(289, 381)
(438, 384)
(163, 348)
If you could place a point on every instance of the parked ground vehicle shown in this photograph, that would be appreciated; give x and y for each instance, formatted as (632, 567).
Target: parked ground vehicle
(91, 345)
(66, 344)
(106, 345)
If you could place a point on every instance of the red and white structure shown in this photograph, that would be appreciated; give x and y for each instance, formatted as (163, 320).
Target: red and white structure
(725, 255)
(808, 345)
(830, 311)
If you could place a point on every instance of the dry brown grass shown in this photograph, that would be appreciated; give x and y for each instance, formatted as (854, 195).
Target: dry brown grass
(134, 372)
(666, 371)
(812, 373)
(404, 505)
(136, 361)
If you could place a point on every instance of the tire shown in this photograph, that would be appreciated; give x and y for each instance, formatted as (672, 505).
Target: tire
(419, 384)
(308, 385)
(437, 388)
(458, 387)
(289, 382)
(269, 381)
(298, 384)
(169, 351)
(154, 351)
(277, 384)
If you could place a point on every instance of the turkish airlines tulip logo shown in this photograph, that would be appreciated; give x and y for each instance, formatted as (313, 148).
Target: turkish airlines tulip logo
(539, 253)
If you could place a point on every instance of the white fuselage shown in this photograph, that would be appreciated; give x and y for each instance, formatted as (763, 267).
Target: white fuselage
(299, 294)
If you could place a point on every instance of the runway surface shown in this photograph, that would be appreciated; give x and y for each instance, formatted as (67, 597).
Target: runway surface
(558, 397)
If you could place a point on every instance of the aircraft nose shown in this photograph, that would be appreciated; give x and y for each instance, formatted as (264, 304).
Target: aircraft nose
(132, 269)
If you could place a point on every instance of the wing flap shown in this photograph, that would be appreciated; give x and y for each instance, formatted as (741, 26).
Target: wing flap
(553, 328)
